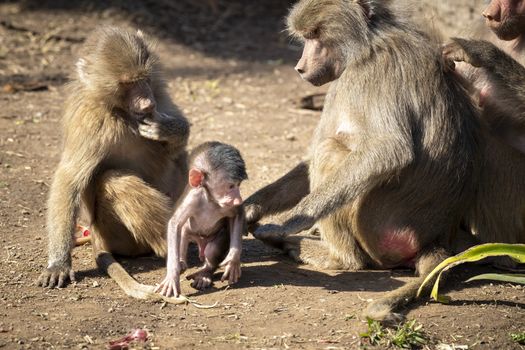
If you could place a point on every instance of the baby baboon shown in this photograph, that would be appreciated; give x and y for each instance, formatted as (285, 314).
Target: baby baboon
(123, 159)
(210, 214)
(399, 195)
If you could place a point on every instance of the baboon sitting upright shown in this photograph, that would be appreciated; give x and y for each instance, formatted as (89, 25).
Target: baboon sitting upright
(123, 159)
(416, 171)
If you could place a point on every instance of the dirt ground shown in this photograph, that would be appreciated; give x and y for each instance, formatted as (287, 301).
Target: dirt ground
(230, 69)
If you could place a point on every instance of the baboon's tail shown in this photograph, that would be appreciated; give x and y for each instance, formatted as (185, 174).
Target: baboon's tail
(107, 263)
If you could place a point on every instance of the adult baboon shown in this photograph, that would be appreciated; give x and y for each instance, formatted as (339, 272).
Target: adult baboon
(503, 91)
(123, 159)
(505, 28)
(416, 170)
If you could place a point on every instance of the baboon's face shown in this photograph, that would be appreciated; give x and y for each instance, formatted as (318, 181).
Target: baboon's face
(225, 190)
(319, 63)
(506, 18)
(138, 98)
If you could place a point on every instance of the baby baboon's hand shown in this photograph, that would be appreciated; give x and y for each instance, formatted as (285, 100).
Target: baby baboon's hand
(170, 286)
(202, 278)
(56, 275)
(232, 269)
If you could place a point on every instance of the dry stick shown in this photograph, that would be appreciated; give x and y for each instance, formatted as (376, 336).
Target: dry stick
(196, 304)
(181, 299)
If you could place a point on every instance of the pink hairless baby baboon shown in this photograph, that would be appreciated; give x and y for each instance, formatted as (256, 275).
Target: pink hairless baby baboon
(210, 213)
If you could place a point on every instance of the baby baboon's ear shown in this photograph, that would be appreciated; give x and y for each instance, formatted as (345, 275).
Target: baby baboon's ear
(195, 178)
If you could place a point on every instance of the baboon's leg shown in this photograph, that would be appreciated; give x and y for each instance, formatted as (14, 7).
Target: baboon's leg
(130, 220)
(337, 232)
(382, 309)
(340, 248)
(131, 215)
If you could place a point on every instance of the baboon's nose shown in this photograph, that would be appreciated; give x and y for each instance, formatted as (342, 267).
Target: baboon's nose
(488, 16)
(299, 70)
(493, 12)
(146, 105)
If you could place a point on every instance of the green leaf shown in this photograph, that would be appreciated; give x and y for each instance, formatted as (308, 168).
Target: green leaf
(512, 278)
(435, 292)
(479, 252)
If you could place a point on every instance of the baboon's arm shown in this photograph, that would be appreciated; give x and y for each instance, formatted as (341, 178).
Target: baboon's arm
(279, 196)
(379, 161)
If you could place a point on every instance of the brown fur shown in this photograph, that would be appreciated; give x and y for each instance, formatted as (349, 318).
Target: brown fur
(124, 169)
(496, 75)
(422, 164)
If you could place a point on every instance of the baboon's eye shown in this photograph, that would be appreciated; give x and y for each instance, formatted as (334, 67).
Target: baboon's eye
(314, 34)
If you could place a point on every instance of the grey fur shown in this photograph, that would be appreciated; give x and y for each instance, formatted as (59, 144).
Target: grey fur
(222, 156)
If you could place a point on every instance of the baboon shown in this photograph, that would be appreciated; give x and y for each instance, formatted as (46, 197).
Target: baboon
(504, 111)
(505, 28)
(209, 213)
(504, 87)
(123, 159)
(422, 167)
(505, 19)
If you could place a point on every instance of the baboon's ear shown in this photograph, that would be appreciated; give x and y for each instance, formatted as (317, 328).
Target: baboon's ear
(81, 70)
(196, 177)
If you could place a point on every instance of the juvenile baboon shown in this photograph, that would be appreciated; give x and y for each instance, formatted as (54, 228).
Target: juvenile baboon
(123, 159)
(416, 171)
(209, 213)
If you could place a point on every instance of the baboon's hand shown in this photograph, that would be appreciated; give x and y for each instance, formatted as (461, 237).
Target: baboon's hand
(253, 212)
(292, 226)
(202, 278)
(56, 276)
(269, 231)
(468, 51)
(170, 285)
(298, 223)
(164, 128)
(232, 269)
(152, 129)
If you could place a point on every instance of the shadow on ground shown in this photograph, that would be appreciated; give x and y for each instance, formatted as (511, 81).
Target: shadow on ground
(240, 29)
